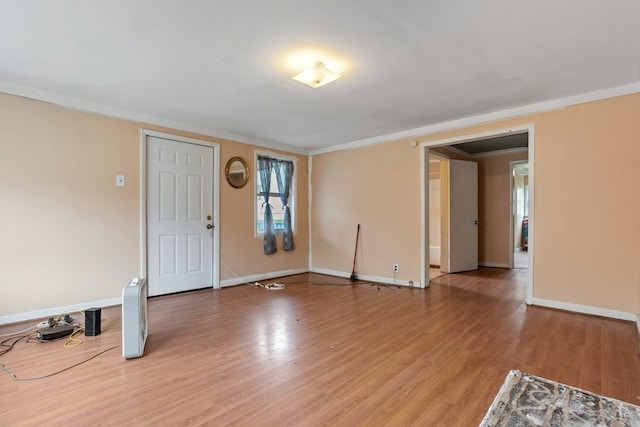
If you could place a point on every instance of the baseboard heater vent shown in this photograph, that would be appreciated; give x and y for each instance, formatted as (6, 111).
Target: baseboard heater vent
(134, 318)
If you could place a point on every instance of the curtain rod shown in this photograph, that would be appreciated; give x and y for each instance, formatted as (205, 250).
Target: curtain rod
(273, 158)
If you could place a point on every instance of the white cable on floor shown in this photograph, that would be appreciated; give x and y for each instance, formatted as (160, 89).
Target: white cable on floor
(271, 286)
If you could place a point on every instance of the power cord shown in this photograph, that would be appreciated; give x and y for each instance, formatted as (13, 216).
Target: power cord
(62, 319)
(358, 283)
(227, 265)
(270, 286)
(17, 378)
(7, 348)
(73, 340)
(19, 332)
(280, 286)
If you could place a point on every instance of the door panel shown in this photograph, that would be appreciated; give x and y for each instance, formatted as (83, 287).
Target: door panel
(179, 209)
(168, 248)
(463, 227)
(195, 252)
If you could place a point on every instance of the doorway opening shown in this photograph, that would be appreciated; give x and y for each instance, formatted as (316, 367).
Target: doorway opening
(493, 151)
(436, 175)
(520, 213)
(453, 215)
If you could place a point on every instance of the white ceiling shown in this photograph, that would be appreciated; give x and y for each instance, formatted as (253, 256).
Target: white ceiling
(218, 67)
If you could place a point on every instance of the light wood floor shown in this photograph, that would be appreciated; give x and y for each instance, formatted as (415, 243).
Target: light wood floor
(314, 354)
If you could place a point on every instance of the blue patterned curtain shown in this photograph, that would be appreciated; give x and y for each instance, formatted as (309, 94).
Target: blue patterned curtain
(284, 176)
(265, 167)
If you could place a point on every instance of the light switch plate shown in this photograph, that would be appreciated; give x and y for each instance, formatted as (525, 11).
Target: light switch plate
(119, 180)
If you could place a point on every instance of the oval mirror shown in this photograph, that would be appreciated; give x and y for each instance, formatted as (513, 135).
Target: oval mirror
(237, 172)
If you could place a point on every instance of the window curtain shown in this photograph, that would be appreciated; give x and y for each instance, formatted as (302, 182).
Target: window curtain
(265, 167)
(284, 176)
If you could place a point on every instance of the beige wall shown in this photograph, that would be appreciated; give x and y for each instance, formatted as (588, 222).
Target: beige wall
(587, 195)
(376, 187)
(494, 209)
(587, 199)
(241, 251)
(70, 236)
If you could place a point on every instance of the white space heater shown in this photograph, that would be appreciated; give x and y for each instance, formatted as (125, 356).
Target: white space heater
(134, 318)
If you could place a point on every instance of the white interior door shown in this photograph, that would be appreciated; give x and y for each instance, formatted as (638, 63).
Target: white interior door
(179, 216)
(463, 225)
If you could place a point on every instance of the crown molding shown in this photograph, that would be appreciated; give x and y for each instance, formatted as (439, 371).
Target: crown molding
(86, 106)
(524, 110)
(91, 107)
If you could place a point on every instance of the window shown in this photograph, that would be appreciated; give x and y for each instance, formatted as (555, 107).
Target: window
(275, 200)
(276, 205)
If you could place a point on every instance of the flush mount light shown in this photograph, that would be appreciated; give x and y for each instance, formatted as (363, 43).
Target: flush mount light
(317, 74)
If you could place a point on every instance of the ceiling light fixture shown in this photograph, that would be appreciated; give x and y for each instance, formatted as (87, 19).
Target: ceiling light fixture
(317, 74)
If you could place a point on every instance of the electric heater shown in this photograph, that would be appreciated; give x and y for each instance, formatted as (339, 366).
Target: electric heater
(134, 318)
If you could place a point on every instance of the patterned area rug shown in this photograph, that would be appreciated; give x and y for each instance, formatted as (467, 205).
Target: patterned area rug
(527, 400)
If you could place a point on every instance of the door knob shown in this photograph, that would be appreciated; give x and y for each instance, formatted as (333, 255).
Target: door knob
(209, 226)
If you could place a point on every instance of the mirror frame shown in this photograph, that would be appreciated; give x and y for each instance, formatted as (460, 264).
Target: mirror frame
(227, 172)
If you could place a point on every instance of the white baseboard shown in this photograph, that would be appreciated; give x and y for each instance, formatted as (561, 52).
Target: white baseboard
(493, 265)
(376, 279)
(258, 277)
(638, 323)
(586, 309)
(54, 311)
(330, 272)
(45, 313)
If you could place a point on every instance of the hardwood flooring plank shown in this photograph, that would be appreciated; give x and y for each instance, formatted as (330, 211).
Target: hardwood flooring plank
(323, 351)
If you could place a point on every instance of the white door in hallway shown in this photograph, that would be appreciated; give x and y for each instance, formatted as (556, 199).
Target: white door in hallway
(463, 212)
(179, 216)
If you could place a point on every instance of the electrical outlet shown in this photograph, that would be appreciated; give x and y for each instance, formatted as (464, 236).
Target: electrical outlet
(395, 268)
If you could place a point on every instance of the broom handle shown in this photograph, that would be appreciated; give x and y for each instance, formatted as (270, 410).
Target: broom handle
(355, 253)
